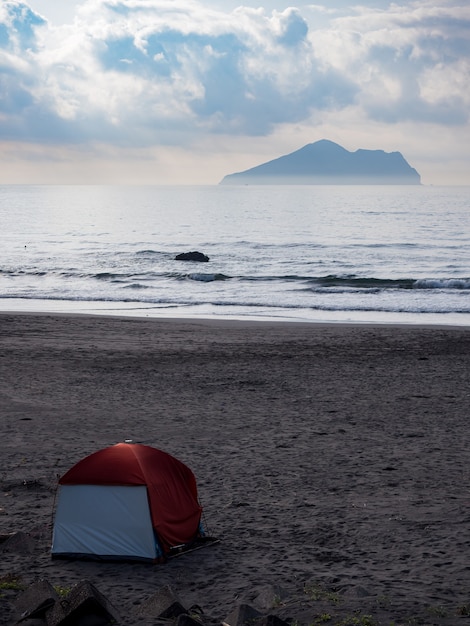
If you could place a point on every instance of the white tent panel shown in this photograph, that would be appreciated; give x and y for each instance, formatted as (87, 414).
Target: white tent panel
(111, 521)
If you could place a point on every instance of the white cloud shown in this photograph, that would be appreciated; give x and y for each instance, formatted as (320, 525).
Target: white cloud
(129, 67)
(137, 74)
(394, 54)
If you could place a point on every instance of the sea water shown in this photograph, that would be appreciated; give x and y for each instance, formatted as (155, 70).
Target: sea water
(300, 253)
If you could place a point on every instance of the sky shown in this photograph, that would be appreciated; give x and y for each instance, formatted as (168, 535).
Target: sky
(185, 91)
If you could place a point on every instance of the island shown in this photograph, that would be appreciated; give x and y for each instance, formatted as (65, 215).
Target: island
(327, 163)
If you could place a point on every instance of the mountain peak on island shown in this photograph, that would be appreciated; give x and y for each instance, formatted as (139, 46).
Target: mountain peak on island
(327, 163)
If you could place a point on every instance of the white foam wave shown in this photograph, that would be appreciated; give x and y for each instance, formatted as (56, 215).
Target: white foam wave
(446, 283)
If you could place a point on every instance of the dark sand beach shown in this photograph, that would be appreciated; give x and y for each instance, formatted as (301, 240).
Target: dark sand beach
(333, 461)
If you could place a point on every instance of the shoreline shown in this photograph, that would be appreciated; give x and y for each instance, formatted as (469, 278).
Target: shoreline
(241, 322)
(332, 460)
(193, 313)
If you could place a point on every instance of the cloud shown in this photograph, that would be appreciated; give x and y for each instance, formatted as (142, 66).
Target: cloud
(138, 73)
(293, 28)
(411, 62)
(17, 26)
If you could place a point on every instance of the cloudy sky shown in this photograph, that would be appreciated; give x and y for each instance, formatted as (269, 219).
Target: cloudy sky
(186, 91)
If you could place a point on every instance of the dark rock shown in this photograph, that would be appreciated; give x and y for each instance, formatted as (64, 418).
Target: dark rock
(327, 163)
(192, 256)
(246, 615)
(163, 604)
(243, 615)
(83, 606)
(36, 600)
(186, 620)
(19, 542)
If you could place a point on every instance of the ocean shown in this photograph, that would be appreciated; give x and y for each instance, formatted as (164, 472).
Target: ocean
(384, 254)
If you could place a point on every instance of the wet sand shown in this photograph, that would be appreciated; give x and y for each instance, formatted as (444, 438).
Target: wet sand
(333, 461)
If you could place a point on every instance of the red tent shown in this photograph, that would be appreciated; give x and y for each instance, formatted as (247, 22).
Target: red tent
(110, 498)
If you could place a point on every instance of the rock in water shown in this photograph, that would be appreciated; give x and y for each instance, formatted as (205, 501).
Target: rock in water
(192, 256)
(326, 163)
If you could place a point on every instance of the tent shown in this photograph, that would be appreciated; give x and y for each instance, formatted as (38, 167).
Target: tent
(126, 502)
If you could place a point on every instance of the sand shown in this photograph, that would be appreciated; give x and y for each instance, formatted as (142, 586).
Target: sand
(332, 461)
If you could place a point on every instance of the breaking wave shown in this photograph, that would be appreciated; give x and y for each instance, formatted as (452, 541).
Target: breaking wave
(379, 284)
(207, 278)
